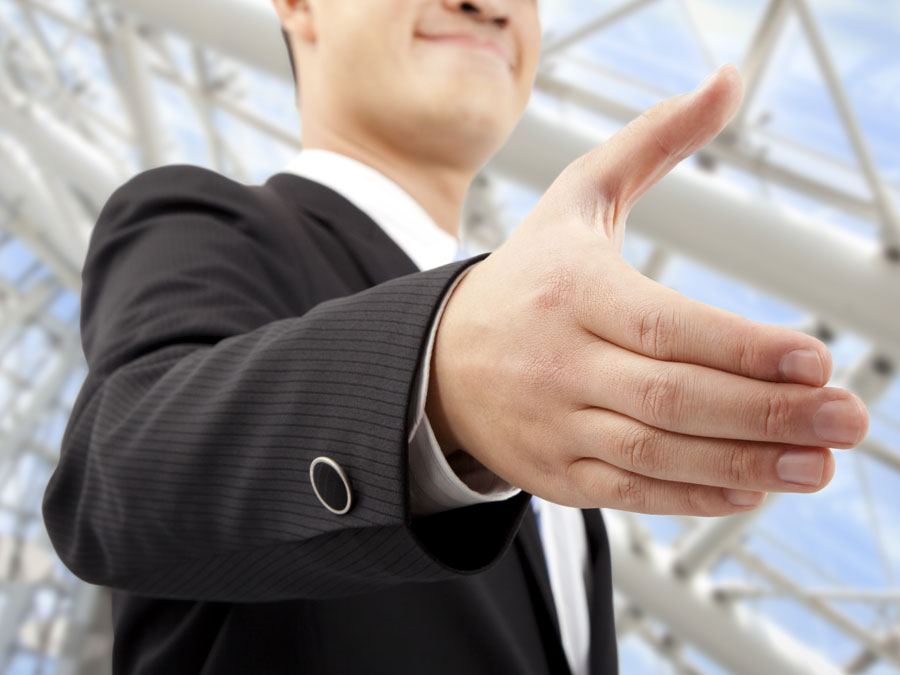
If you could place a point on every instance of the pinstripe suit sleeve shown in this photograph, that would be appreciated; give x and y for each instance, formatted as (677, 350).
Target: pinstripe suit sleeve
(184, 466)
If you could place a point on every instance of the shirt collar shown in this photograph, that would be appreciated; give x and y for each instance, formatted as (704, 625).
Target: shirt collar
(390, 206)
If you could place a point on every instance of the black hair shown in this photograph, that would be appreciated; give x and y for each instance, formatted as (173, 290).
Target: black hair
(287, 42)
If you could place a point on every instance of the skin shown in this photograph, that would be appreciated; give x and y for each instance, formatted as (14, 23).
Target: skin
(557, 365)
(428, 112)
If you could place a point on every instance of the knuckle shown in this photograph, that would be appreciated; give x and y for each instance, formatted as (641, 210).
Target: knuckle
(639, 452)
(555, 288)
(586, 481)
(669, 144)
(629, 491)
(598, 205)
(694, 499)
(656, 329)
(775, 419)
(659, 396)
(582, 480)
(748, 356)
(740, 465)
(547, 470)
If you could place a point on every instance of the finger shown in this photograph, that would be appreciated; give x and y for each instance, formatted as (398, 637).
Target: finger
(595, 483)
(618, 172)
(701, 401)
(637, 313)
(655, 453)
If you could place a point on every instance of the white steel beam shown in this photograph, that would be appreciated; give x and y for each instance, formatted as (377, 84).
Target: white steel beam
(692, 614)
(890, 221)
(880, 451)
(17, 598)
(142, 100)
(15, 222)
(758, 54)
(126, 63)
(876, 644)
(702, 547)
(843, 594)
(53, 145)
(724, 149)
(251, 34)
(61, 229)
(22, 308)
(593, 26)
(62, 18)
(867, 658)
(68, 357)
(90, 612)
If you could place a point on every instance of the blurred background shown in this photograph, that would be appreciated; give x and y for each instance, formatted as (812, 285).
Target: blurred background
(792, 216)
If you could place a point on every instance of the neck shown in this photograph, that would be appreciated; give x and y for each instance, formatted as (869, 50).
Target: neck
(440, 189)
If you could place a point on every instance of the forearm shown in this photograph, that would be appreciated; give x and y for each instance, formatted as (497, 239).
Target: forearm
(185, 473)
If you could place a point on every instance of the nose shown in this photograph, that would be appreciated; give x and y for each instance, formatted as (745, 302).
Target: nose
(485, 11)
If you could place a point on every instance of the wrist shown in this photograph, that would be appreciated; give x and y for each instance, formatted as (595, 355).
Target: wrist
(446, 357)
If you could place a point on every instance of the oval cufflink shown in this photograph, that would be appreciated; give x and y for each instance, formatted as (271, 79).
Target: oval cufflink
(331, 485)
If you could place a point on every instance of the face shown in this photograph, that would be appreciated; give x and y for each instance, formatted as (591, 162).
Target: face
(444, 78)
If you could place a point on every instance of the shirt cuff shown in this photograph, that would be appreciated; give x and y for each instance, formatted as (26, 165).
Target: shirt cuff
(437, 482)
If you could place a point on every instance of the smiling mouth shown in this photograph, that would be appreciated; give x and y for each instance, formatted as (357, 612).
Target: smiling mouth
(467, 41)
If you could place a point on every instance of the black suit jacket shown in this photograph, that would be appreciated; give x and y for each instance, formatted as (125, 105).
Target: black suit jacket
(233, 333)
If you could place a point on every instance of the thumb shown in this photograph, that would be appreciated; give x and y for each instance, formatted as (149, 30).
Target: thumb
(611, 178)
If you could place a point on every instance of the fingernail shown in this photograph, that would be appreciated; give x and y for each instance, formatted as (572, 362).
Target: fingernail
(803, 366)
(838, 422)
(744, 497)
(801, 466)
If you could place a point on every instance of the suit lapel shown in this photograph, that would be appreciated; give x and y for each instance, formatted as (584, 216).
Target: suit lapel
(373, 251)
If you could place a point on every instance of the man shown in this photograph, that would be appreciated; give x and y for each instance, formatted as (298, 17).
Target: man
(294, 452)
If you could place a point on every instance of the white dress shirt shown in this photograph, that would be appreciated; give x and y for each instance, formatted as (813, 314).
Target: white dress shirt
(439, 483)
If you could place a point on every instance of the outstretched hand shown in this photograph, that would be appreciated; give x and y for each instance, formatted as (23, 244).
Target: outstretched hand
(572, 376)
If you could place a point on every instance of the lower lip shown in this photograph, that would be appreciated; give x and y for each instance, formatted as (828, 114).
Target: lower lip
(469, 42)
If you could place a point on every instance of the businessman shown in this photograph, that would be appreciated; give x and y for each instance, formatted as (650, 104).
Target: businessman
(308, 440)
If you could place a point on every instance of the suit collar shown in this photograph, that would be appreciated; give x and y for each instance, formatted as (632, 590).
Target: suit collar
(374, 252)
(394, 210)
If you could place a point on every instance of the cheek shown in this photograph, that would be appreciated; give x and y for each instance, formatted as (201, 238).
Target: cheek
(531, 50)
(360, 62)
(529, 34)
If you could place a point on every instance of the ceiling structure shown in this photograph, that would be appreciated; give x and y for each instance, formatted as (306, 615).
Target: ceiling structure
(765, 221)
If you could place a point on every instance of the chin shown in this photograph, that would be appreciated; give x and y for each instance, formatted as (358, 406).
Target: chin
(478, 117)
(483, 108)
(463, 121)
(470, 139)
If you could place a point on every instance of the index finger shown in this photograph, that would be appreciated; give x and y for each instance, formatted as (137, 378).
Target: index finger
(643, 316)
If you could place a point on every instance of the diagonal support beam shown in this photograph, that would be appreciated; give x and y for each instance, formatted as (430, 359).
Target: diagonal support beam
(585, 31)
(890, 221)
(759, 53)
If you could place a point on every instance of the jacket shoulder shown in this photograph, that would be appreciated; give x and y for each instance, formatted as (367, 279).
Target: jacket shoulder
(175, 188)
(183, 251)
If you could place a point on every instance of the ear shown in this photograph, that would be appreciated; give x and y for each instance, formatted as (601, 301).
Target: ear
(296, 18)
